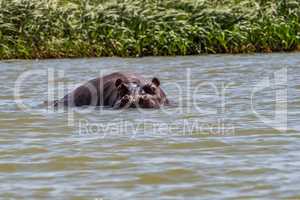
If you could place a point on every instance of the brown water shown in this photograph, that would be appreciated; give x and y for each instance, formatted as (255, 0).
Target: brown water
(220, 149)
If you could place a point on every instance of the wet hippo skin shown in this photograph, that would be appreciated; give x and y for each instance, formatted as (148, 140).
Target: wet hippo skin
(117, 90)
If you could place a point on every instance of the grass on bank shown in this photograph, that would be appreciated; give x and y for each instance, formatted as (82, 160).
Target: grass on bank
(65, 28)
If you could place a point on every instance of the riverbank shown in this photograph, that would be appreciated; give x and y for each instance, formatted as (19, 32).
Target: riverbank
(57, 29)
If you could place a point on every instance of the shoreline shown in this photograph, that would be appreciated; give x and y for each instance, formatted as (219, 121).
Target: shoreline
(150, 56)
(267, 51)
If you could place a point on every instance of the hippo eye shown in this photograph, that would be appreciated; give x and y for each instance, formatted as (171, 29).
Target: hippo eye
(149, 89)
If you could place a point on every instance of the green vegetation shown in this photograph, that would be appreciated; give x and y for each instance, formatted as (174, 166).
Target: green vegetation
(78, 28)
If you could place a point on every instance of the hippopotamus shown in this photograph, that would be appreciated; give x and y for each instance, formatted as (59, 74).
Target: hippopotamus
(117, 90)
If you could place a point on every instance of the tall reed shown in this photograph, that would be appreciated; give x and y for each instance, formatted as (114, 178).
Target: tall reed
(77, 28)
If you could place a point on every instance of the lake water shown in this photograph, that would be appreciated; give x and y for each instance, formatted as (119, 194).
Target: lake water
(233, 134)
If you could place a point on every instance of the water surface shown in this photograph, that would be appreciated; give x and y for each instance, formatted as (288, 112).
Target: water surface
(212, 145)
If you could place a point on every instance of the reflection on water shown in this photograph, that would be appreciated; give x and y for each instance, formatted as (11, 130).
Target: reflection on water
(211, 145)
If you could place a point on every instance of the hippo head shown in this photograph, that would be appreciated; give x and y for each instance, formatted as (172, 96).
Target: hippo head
(133, 94)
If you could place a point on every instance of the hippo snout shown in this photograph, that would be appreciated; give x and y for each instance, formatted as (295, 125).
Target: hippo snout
(146, 101)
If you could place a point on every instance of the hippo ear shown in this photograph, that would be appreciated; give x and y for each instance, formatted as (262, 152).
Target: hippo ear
(156, 81)
(118, 82)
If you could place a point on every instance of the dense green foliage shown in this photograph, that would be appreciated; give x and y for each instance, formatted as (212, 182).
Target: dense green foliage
(78, 28)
